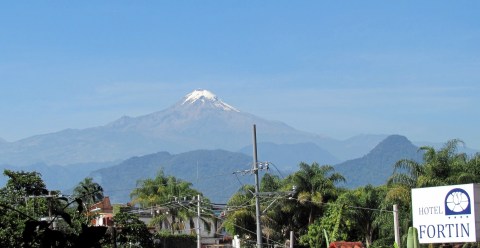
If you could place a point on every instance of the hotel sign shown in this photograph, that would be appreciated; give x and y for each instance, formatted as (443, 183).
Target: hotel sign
(447, 214)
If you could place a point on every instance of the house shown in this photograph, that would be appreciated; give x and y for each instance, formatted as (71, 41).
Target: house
(102, 212)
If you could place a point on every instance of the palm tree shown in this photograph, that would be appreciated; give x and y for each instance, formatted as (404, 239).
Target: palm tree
(367, 200)
(471, 172)
(88, 191)
(315, 185)
(146, 193)
(443, 167)
(439, 167)
(167, 192)
(240, 215)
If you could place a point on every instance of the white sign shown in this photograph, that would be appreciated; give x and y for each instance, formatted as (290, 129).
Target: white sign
(447, 214)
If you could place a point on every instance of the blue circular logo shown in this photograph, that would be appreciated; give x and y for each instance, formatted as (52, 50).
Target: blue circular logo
(457, 202)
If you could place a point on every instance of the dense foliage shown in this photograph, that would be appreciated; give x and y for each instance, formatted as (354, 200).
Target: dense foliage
(320, 209)
(131, 230)
(34, 217)
(308, 202)
(172, 200)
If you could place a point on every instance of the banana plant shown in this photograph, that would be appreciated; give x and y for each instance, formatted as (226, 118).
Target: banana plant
(412, 238)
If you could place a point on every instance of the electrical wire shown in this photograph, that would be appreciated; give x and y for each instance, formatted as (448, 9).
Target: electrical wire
(277, 170)
(225, 220)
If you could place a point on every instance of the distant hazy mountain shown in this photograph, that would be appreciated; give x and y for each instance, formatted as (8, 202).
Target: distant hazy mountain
(198, 121)
(353, 147)
(202, 121)
(210, 171)
(377, 166)
(287, 156)
(57, 177)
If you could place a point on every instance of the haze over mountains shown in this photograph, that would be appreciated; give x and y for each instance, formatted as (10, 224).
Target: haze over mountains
(212, 171)
(198, 121)
(376, 166)
(196, 138)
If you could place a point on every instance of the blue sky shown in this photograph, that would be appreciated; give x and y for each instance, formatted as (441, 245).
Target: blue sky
(335, 68)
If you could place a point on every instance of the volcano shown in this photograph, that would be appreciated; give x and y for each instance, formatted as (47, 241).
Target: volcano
(200, 120)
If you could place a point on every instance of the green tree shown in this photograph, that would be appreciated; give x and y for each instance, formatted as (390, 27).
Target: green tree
(270, 183)
(132, 231)
(315, 185)
(166, 193)
(356, 215)
(335, 222)
(439, 167)
(366, 203)
(240, 219)
(314, 237)
(24, 201)
(282, 212)
(89, 191)
(471, 172)
(271, 215)
(241, 216)
(18, 200)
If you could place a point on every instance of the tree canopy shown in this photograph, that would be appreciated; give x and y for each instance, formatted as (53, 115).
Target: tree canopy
(318, 210)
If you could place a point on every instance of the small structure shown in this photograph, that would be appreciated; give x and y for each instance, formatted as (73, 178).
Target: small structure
(103, 213)
(344, 244)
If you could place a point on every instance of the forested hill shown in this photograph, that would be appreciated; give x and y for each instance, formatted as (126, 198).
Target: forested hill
(377, 166)
(210, 171)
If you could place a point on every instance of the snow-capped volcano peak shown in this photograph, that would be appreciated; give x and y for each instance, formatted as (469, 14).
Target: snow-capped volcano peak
(200, 95)
(203, 97)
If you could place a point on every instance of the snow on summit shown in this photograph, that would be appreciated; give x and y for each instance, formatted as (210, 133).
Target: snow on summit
(207, 97)
(201, 95)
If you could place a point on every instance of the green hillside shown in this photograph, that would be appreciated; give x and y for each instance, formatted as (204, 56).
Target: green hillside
(210, 171)
(377, 166)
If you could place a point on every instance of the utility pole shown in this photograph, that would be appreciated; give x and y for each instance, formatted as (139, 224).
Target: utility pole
(199, 238)
(256, 167)
(49, 198)
(49, 201)
(257, 189)
(395, 225)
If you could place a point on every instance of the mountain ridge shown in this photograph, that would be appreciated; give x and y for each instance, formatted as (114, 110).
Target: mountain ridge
(377, 165)
(207, 170)
(211, 171)
(200, 120)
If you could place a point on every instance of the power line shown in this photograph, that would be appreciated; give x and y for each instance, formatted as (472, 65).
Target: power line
(347, 206)
(226, 220)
